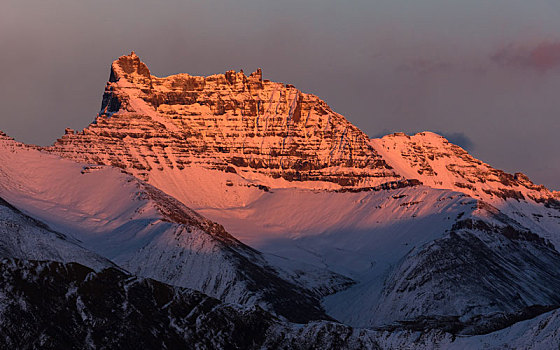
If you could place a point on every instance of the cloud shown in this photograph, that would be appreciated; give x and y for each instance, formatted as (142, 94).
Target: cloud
(458, 138)
(542, 57)
(380, 134)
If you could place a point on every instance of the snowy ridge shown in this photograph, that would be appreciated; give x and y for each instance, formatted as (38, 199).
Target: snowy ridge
(476, 279)
(113, 309)
(387, 239)
(539, 333)
(437, 163)
(23, 237)
(145, 231)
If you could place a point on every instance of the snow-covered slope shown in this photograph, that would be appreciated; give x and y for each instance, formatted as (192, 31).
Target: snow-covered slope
(437, 163)
(475, 279)
(144, 231)
(68, 306)
(413, 251)
(23, 237)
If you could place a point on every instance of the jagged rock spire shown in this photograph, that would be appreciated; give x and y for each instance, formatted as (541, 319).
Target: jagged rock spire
(131, 68)
(257, 74)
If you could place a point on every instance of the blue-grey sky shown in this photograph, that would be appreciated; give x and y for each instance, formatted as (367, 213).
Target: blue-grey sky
(484, 72)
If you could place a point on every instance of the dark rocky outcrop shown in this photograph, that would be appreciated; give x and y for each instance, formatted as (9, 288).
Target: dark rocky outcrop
(48, 305)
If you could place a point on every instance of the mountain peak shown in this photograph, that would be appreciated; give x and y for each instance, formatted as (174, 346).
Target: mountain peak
(131, 68)
(439, 163)
(224, 121)
(431, 135)
(7, 138)
(257, 75)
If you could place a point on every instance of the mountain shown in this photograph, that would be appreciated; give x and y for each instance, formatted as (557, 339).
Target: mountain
(438, 163)
(408, 236)
(542, 332)
(71, 306)
(228, 122)
(143, 231)
(391, 242)
(67, 305)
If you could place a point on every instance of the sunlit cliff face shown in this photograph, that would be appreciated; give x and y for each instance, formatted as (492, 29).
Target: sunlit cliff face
(224, 121)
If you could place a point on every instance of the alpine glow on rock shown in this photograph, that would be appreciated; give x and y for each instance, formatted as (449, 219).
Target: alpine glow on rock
(230, 211)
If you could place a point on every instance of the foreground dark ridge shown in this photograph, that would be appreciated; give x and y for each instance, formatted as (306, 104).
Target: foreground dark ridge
(69, 306)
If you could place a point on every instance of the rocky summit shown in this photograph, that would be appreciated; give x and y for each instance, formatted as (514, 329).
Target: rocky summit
(228, 121)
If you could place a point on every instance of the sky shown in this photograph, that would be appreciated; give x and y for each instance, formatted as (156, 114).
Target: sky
(485, 73)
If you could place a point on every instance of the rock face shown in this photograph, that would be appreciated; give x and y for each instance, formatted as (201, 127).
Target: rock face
(228, 121)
